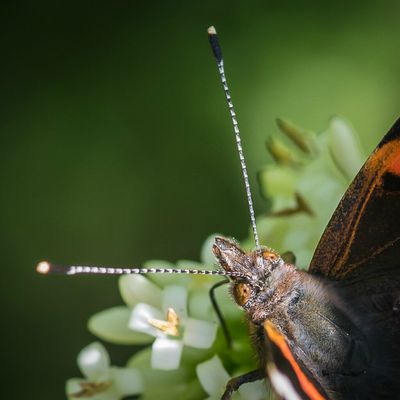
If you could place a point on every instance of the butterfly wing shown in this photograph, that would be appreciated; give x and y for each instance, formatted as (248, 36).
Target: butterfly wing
(364, 231)
(288, 378)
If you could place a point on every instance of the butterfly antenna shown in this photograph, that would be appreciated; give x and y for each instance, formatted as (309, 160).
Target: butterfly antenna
(46, 267)
(212, 35)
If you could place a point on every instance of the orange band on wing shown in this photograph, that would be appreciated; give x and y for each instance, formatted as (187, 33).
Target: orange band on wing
(395, 166)
(275, 336)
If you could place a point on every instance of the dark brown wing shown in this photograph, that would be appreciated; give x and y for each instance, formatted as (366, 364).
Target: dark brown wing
(288, 378)
(365, 228)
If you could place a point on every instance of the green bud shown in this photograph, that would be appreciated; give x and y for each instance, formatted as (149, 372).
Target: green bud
(301, 138)
(281, 154)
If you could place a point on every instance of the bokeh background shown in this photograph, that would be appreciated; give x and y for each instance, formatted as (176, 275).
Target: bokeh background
(116, 145)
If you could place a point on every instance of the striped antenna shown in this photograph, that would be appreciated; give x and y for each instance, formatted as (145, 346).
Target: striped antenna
(46, 267)
(212, 35)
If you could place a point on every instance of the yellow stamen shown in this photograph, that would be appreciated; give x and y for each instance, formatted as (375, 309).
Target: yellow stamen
(170, 326)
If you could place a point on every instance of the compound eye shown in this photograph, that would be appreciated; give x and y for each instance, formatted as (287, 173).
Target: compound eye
(241, 293)
(270, 255)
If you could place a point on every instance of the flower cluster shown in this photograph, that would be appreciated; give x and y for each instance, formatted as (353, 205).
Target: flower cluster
(168, 320)
(305, 184)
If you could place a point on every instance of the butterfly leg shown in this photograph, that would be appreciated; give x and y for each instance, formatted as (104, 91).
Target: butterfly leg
(235, 383)
(218, 311)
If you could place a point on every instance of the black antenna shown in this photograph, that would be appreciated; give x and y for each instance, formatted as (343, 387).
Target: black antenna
(212, 35)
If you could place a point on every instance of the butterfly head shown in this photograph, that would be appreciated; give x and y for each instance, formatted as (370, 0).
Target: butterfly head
(252, 270)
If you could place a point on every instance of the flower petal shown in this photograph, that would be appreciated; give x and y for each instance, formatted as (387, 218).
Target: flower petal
(171, 385)
(175, 297)
(200, 305)
(253, 390)
(73, 386)
(112, 325)
(199, 334)
(166, 353)
(94, 361)
(139, 320)
(137, 288)
(142, 361)
(212, 376)
(344, 147)
(127, 381)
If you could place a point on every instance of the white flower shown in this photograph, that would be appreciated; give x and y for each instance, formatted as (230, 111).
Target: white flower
(102, 381)
(165, 317)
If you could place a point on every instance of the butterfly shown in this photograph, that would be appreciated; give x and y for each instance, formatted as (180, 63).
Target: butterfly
(332, 332)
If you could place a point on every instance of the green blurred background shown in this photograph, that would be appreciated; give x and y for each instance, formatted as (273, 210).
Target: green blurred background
(116, 146)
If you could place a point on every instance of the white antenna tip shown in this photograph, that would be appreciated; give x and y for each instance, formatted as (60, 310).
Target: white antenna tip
(43, 267)
(211, 31)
